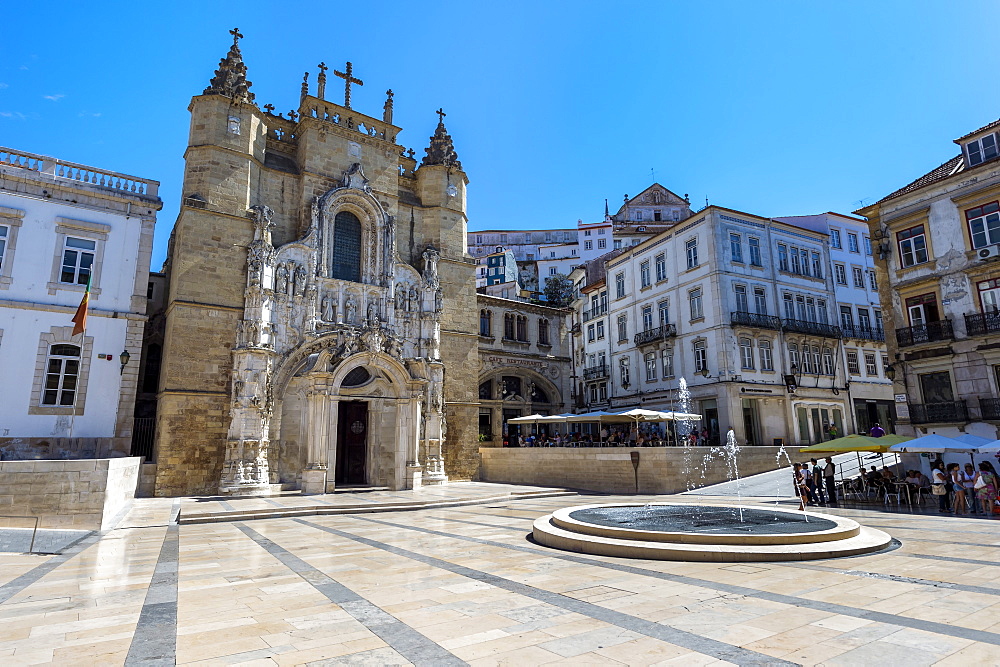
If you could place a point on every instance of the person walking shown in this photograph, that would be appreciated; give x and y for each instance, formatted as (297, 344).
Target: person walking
(958, 488)
(939, 485)
(810, 483)
(801, 490)
(817, 478)
(969, 482)
(986, 487)
(829, 473)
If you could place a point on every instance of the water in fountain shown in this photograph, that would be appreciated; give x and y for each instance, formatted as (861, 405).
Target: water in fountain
(782, 452)
(732, 451)
(682, 429)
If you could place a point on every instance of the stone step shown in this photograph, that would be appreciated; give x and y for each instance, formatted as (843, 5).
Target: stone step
(366, 508)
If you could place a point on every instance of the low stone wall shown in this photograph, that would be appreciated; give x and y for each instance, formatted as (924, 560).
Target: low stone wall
(609, 469)
(84, 493)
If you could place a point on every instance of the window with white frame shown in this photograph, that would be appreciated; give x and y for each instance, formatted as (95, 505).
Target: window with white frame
(800, 307)
(700, 356)
(661, 267)
(691, 249)
(789, 302)
(827, 361)
(736, 248)
(588, 245)
(782, 257)
(868, 245)
(618, 244)
(650, 366)
(852, 363)
(77, 260)
(694, 302)
(982, 149)
(912, 246)
(859, 276)
(600, 330)
(602, 244)
(852, 242)
(600, 232)
(815, 359)
(817, 265)
(602, 392)
(622, 328)
(764, 349)
(590, 333)
(805, 361)
(871, 364)
(760, 300)
(623, 371)
(647, 317)
(796, 264)
(872, 282)
(823, 314)
(552, 270)
(62, 375)
(637, 217)
(754, 243)
(644, 278)
(746, 354)
(619, 285)
(740, 291)
(664, 308)
(811, 310)
(586, 232)
(885, 363)
(4, 230)
(840, 274)
(793, 357)
(984, 224)
(667, 362)
(835, 238)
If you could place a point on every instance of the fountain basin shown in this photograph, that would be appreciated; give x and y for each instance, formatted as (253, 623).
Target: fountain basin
(665, 531)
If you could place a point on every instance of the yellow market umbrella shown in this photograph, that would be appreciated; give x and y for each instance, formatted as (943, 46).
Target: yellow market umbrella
(856, 443)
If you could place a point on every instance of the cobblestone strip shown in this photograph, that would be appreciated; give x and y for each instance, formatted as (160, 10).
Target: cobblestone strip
(18, 584)
(155, 638)
(665, 633)
(983, 636)
(412, 645)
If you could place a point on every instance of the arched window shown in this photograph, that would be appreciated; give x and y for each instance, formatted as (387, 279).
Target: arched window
(346, 247)
(62, 371)
(543, 332)
(522, 328)
(538, 394)
(508, 326)
(485, 323)
(486, 391)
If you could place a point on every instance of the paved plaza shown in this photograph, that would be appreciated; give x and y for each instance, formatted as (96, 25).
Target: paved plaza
(449, 582)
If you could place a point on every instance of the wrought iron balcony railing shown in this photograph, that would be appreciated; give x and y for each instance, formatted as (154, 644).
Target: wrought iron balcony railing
(656, 334)
(980, 324)
(743, 318)
(863, 333)
(595, 372)
(990, 407)
(939, 413)
(594, 312)
(925, 333)
(812, 328)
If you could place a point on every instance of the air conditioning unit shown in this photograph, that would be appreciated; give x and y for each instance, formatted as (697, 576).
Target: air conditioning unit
(989, 251)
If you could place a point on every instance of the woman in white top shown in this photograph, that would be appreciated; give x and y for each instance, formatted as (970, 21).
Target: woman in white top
(938, 478)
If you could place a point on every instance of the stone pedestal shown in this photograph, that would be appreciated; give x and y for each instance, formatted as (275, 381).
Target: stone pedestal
(414, 476)
(314, 481)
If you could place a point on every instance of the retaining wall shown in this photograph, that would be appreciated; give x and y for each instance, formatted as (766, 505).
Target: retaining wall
(609, 469)
(83, 493)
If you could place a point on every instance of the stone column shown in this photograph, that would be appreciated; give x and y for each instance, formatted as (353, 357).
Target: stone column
(333, 417)
(315, 473)
(408, 434)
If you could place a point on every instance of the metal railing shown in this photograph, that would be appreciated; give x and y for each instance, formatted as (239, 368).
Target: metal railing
(863, 333)
(925, 333)
(980, 324)
(812, 328)
(595, 312)
(743, 318)
(990, 408)
(655, 334)
(595, 372)
(143, 437)
(938, 413)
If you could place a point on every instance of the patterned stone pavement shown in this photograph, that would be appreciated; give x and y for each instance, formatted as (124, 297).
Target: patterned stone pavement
(465, 585)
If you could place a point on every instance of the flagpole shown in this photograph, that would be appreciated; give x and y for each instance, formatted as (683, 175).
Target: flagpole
(80, 323)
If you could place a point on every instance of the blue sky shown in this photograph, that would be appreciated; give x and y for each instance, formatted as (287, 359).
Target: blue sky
(776, 108)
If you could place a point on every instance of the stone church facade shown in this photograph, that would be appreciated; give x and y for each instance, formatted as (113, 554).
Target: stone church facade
(321, 319)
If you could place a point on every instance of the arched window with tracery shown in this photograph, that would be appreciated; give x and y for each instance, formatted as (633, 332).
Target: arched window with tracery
(485, 323)
(543, 332)
(346, 247)
(508, 327)
(522, 328)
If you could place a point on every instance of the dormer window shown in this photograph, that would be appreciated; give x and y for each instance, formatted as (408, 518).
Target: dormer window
(982, 149)
(640, 229)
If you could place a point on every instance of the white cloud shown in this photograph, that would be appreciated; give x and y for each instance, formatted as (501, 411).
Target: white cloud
(54, 98)
(88, 114)
(12, 114)
(3, 85)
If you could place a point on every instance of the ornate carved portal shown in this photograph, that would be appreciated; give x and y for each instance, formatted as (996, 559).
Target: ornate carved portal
(304, 327)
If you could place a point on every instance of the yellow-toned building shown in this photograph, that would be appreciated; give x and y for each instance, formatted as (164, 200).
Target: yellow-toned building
(937, 246)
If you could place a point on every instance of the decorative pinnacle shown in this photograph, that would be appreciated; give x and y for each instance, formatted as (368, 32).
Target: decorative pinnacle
(442, 150)
(230, 78)
(348, 78)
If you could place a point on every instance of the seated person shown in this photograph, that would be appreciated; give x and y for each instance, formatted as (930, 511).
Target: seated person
(874, 478)
(887, 475)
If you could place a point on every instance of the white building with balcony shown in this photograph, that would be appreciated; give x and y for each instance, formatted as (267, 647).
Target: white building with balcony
(744, 308)
(61, 225)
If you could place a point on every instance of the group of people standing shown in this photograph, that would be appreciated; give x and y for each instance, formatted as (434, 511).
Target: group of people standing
(815, 484)
(963, 489)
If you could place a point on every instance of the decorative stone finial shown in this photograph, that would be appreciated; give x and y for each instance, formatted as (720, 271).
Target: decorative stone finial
(387, 109)
(442, 150)
(305, 86)
(348, 78)
(230, 79)
(321, 81)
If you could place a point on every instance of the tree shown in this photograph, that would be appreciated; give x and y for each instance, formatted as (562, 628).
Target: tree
(558, 290)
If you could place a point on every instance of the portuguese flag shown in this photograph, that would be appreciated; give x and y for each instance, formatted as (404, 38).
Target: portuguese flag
(80, 318)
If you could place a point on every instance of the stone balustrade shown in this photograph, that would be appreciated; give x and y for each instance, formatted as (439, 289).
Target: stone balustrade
(61, 170)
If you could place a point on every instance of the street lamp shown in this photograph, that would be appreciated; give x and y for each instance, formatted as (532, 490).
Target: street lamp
(124, 357)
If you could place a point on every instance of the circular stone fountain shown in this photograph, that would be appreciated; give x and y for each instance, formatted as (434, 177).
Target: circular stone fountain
(664, 531)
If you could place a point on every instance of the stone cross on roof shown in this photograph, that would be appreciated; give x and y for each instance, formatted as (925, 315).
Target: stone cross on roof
(348, 80)
(441, 114)
(237, 36)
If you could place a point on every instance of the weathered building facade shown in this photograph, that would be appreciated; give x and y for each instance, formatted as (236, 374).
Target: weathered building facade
(320, 324)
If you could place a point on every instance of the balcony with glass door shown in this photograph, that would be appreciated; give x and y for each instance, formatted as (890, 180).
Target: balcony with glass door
(925, 333)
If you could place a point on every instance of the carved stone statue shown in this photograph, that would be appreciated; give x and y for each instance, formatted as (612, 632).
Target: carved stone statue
(300, 280)
(351, 307)
(262, 223)
(414, 304)
(281, 281)
(400, 298)
(373, 318)
(431, 257)
(437, 300)
(329, 309)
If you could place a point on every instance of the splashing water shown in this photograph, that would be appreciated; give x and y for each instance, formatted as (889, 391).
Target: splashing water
(682, 429)
(777, 491)
(731, 451)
